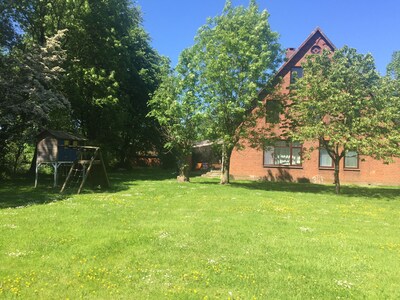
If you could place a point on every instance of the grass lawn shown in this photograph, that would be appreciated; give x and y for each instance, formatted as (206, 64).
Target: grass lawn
(153, 238)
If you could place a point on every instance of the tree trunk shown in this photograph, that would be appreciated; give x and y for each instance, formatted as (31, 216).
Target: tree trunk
(184, 170)
(336, 176)
(32, 168)
(226, 158)
(17, 156)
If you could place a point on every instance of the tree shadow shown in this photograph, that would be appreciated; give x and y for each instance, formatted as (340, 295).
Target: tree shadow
(304, 186)
(373, 192)
(20, 191)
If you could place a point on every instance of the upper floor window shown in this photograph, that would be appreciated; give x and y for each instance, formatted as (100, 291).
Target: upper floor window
(295, 73)
(273, 110)
(283, 153)
(351, 160)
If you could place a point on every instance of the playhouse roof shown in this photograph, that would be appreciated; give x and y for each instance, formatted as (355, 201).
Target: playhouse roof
(60, 135)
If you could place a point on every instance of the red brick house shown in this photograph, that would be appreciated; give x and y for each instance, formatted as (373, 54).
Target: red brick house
(283, 162)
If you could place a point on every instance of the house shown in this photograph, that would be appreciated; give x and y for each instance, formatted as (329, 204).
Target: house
(283, 162)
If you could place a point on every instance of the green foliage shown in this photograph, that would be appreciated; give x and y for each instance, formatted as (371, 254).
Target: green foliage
(176, 108)
(152, 238)
(393, 68)
(233, 57)
(8, 36)
(345, 105)
(111, 71)
(29, 92)
(110, 68)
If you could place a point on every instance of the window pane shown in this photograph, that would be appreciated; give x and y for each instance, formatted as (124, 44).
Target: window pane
(296, 72)
(296, 156)
(282, 156)
(273, 110)
(268, 156)
(281, 144)
(324, 159)
(296, 144)
(351, 159)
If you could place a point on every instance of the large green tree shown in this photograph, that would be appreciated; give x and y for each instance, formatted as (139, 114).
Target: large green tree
(234, 55)
(177, 109)
(29, 92)
(110, 68)
(343, 104)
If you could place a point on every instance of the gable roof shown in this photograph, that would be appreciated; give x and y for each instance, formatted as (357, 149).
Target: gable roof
(303, 49)
(61, 135)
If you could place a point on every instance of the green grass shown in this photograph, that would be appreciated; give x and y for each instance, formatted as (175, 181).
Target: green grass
(153, 238)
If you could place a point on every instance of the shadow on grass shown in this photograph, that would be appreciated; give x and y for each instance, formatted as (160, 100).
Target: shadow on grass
(373, 192)
(390, 193)
(142, 174)
(20, 191)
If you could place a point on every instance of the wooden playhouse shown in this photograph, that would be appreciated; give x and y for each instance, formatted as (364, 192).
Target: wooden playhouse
(58, 148)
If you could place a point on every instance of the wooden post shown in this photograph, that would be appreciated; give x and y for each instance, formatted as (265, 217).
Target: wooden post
(67, 179)
(88, 170)
(37, 173)
(104, 168)
(55, 166)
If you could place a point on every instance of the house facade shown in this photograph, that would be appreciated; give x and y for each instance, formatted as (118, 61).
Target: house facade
(283, 161)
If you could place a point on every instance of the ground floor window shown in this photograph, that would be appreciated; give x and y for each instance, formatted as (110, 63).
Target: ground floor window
(351, 160)
(283, 154)
(325, 161)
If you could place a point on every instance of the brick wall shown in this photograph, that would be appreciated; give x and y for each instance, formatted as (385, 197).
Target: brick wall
(248, 162)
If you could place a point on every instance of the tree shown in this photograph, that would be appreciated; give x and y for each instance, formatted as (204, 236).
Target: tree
(343, 103)
(233, 57)
(30, 92)
(110, 68)
(393, 69)
(176, 108)
(8, 36)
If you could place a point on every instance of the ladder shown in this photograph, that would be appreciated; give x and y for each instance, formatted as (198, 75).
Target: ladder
(81, 168)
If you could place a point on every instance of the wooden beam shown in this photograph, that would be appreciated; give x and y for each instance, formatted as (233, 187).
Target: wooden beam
(88, 170)
(67, 179)
(104, 169)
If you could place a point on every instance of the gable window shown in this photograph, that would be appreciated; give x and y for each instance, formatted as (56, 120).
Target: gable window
(296, 73)
(325, 161)
(283, 154)
(273, 109)
(351, 160)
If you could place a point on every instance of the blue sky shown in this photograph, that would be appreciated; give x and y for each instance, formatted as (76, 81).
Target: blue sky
(367, 25)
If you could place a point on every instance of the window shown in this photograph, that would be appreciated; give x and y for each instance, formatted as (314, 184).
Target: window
(351, 160)
(66, 143)
(325, 161)
(283, 154)
(295, 73)
(273, 109)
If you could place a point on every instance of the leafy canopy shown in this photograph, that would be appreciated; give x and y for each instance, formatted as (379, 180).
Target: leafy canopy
(176, 109)
(342, 102)
(234, 55)
(393, 69)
